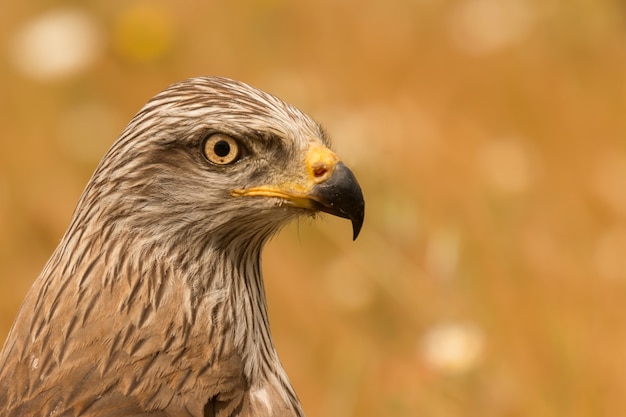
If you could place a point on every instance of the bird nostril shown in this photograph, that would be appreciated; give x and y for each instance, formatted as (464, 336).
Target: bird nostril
(320, 162)
(320, 171)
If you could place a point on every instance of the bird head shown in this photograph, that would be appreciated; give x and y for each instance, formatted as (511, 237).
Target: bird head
(154, 298)
(215, 156)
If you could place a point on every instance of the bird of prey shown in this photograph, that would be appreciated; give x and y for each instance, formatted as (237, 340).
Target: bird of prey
(153, 303)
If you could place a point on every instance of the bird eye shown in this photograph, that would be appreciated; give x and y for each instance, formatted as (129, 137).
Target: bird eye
(221, 149)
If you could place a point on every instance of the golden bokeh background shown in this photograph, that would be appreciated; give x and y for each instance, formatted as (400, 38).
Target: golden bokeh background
(489, 137)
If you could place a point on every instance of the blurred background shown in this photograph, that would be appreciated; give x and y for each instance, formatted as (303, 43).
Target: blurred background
(489, 137)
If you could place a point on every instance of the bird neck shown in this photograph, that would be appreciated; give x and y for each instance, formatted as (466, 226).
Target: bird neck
(247, 309)
(238, 281)
(202, 303)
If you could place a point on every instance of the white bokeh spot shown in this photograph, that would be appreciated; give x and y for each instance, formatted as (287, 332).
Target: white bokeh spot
(56, 44)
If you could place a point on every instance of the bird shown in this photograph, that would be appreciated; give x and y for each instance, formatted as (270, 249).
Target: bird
(153, 302)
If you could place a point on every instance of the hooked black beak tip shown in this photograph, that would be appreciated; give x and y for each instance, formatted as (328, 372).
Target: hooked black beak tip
(341, 195)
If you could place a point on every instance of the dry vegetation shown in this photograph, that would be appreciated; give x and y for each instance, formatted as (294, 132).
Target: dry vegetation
(490, 140)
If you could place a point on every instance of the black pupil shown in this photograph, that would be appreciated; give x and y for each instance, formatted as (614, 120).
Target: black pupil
(222, 148)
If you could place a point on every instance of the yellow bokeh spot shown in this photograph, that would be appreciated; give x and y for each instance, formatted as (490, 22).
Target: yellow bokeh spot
(143, 32)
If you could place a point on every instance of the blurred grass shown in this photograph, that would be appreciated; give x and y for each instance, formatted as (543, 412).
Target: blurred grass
(488, 136)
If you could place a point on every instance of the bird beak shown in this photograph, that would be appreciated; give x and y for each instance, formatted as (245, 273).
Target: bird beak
(341, 196)
(326, 185)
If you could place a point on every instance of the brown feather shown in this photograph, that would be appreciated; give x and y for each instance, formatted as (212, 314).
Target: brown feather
(153, 303)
